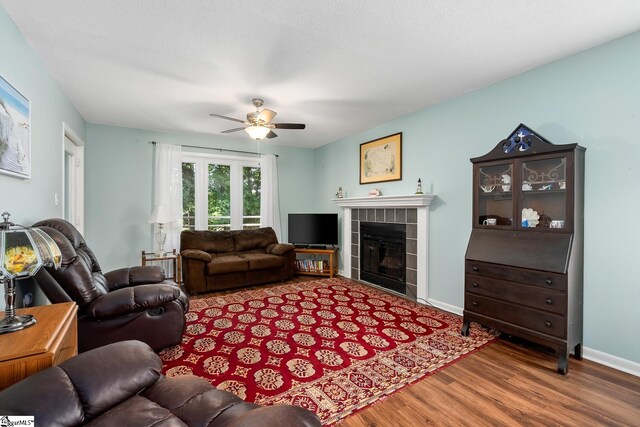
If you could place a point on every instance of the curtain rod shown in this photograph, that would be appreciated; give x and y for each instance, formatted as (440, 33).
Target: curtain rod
(219, 149)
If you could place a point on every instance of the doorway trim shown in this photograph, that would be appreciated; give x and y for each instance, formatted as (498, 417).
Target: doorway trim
(74, 146)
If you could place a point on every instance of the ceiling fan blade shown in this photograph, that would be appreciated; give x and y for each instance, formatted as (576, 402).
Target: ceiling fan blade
(266, 115)
(289, 125)
(227, 118)
(252, 117)
(271, 134)
(232, 130)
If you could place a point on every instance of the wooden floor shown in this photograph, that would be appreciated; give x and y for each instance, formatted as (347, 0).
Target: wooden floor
(511, 383)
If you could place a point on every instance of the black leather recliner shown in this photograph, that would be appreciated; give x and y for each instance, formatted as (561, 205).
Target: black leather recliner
(134, 303)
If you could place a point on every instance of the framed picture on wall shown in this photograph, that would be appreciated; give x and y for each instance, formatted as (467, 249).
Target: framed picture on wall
(381, 159)
(15, 132)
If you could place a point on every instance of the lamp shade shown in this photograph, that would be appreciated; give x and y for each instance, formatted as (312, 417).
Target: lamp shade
(23, 251)
(49, 250)
(160, 215)
(257, 132)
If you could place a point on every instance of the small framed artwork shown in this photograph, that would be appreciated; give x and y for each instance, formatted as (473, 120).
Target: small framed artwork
(15, 132)
(381, 159)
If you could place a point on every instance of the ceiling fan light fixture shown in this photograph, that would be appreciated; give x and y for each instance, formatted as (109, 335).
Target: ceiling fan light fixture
(259, 123)
(257, 132)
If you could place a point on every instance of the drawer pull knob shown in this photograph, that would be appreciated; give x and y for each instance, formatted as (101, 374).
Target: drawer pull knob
(473, 303)
(548, 282)
(548, 301)
(547, 324)
(475, 269)
(475, 285)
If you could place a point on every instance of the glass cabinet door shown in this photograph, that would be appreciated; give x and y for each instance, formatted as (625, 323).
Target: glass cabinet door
(494, 190)
(544, 194)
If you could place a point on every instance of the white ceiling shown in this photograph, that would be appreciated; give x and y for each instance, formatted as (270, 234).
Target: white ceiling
(340, 66)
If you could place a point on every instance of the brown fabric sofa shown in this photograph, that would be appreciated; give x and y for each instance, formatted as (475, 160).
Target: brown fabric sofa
(121, 385)
(216, 260)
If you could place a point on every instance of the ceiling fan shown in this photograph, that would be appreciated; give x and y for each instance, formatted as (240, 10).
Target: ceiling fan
(258, 124)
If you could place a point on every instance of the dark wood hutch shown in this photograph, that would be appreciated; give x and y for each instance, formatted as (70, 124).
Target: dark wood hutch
(524, 261)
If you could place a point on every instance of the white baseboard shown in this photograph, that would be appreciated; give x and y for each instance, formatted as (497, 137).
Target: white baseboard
(612, 361)
(446, 307)
(597, 356)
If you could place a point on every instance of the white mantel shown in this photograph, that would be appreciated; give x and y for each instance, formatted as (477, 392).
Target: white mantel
(411, 201)
(421, 202)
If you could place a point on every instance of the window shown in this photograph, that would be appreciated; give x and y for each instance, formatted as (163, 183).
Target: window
(220, 192)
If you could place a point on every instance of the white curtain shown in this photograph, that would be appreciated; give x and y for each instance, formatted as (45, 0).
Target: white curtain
(168, 192)
(269, 199)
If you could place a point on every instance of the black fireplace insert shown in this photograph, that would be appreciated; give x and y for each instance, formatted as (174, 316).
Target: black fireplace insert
(382, 255)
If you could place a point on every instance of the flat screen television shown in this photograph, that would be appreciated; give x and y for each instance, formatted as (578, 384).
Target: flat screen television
(313, 229)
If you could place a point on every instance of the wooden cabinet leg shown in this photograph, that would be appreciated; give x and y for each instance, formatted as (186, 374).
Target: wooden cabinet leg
(563, 363)
(577, 351)
(465, 328)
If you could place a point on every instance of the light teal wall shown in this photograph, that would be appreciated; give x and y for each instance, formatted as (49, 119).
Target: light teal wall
(119, 164)
(29, 200)
(592, 98)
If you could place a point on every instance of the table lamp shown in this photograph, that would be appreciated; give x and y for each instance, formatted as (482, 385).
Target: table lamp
(161, 216)
(23, 251)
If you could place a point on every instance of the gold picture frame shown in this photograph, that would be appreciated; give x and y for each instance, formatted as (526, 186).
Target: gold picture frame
(381, 159)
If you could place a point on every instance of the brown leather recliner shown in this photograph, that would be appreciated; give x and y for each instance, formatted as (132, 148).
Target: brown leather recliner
(216, 260)
(121, 385)
(128, 303)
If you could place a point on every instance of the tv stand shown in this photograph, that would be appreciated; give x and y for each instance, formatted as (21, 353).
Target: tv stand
(324, 261)
(316, 246)
(301, 246)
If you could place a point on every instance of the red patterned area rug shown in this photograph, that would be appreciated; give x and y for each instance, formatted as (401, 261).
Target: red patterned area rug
(331, 346)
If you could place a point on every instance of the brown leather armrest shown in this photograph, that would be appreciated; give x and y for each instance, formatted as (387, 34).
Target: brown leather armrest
(196, 254)
(132, 276)
(132, 300)
(205, 405)
(279, 248)
(277, 416)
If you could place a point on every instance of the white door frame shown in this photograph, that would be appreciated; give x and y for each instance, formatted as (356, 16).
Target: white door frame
(74, 146)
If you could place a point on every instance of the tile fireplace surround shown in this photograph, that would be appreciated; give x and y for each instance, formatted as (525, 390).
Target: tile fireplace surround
(412, 210)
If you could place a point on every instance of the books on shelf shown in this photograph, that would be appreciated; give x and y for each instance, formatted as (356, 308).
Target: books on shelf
(311, 265)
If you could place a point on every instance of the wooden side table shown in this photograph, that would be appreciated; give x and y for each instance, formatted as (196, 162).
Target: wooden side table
(52, 340)
(148, 257)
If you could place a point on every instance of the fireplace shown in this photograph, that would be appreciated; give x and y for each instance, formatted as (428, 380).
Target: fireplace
(412, 211)
(382, 255)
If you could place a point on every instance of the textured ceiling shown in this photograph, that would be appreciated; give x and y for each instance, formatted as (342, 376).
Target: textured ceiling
(340, 66)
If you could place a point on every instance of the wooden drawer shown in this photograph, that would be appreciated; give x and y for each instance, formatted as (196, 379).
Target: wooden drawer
(514, 274)
(531, 296)
(547, 323)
